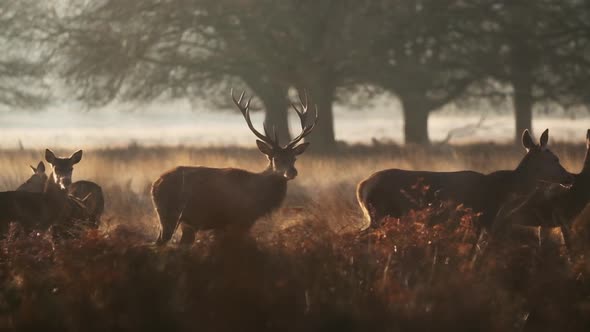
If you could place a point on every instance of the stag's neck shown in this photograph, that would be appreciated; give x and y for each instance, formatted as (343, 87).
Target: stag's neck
(267, 171)
(272, 191)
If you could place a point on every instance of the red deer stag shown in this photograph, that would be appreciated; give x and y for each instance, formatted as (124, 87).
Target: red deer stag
(385, 193)
(229, 199)
(40, 210)
(88, 191)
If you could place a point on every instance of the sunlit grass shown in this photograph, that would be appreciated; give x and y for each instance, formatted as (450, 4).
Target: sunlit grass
(307, 268)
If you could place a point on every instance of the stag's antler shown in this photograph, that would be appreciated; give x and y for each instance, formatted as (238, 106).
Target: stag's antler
(303, 113)
(245, 109)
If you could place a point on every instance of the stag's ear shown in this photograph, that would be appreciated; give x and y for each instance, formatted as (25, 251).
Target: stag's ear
(588, 140)
(264, 148)
(40, 168)
(49, 156)
(299, 149)
(544, 138)
(527, 140)
(76, 157)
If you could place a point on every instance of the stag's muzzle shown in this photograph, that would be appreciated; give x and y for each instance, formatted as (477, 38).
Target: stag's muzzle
(290, 174)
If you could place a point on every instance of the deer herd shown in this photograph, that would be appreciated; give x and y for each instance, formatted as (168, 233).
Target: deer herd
(231, 200)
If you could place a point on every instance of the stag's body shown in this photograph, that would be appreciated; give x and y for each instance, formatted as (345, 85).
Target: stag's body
(386, 193)
(228, 199)
(211, 198)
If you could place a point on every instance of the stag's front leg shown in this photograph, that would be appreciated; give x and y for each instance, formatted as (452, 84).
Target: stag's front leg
(188, 234)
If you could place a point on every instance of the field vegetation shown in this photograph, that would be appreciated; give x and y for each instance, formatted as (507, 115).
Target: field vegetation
(308, 267)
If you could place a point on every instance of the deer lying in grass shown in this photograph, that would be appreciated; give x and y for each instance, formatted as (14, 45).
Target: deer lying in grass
(229, 199)
(385, 193)
(40, 210)
(88, 191)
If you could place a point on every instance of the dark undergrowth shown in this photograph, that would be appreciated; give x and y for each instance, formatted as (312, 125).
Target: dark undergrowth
(405, 276)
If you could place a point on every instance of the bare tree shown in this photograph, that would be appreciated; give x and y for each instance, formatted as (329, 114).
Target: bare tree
(147, 49)
(423, 57)
(537, 48)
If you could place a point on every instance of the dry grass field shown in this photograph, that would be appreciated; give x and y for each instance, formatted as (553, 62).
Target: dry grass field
(308, 266)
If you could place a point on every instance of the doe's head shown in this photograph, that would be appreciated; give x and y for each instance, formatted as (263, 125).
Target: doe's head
(540, 164)
(281, 159)
(63, 167)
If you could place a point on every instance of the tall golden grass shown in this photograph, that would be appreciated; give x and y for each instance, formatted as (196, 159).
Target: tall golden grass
(307, 267)
(325, 185)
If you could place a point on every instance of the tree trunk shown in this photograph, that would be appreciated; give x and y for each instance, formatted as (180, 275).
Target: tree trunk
(523, 105)
(274, 96)
(276, 103)
(415, 120)
(522, 62)
(321, 94)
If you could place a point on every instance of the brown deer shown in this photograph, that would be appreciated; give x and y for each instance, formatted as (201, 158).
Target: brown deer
(385, 193)
(229, 199)
(551, 205)
(40, 210)
(571, 203)
(36, 183)
(88, 191)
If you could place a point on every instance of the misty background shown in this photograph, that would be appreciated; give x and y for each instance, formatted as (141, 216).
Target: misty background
(105, 73)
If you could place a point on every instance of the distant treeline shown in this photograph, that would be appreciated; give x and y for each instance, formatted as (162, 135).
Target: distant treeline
(428, 53)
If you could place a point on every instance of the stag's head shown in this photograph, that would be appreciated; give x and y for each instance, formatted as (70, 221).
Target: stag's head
(281, 159)
(63, 167)
(540, 164)
(37, 181)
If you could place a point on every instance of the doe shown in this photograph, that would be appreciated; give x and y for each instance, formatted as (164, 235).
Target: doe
(88, 191)
(385, 193)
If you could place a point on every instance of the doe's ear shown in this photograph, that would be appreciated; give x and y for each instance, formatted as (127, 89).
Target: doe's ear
(49, 156)
(76, 157)
(544, 138)
(40, 168)
(527, 140)
(264, 147)
(299, 149)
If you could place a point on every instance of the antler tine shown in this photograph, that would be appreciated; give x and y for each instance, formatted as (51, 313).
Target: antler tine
(245, 109)
(306, 103)
(305, 129)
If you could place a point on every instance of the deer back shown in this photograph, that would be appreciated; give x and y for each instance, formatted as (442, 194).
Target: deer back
(219, 196)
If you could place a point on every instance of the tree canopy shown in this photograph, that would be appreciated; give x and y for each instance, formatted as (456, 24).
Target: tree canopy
(428, 53)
